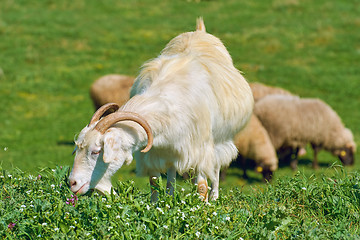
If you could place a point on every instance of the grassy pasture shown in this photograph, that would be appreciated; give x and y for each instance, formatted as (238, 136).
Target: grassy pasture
(51, 51)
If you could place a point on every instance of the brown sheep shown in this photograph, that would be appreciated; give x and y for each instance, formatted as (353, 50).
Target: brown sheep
(254, 143)
(292, 122)
(261, 90)
(111, 88)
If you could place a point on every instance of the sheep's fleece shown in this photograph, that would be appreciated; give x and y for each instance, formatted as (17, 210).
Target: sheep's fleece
(293, 122)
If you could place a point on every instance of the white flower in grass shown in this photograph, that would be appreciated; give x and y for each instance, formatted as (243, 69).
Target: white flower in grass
(182, 189)
(56, 229)
(214, 213)
(72, 227)
(303, 188)
(147, 207)
(183, 202)
(103, 199)
(227, 218)
(109, 228)
(186, 225)
(160, 210)
(197, 234)
(10, 176)
(167, 205)
(165, 226)
(53, 170)
(108, 206)
(127, 224)
(23, 206)
(52, 185)
(43, 224)
(117, 217)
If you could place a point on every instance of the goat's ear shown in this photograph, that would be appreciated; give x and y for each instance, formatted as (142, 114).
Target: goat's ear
(111, 148)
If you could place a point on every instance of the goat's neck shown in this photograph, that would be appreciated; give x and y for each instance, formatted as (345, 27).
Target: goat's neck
(133, 134)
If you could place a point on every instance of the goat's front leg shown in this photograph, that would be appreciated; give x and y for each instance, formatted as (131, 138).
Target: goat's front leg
(202, 186)
(171, 177)
(214, 194)
(154, 186)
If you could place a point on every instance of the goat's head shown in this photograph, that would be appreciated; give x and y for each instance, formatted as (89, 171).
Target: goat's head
(101, 150)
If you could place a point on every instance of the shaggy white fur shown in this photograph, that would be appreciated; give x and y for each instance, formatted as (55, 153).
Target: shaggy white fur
(195, 101)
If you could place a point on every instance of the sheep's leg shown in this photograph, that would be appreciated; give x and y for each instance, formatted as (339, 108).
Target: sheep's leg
(243, 165)
(171, 177)
(294, 160)
(223, 173)
(214, 194)
(154, 186)
(202, 186)
(315, 163)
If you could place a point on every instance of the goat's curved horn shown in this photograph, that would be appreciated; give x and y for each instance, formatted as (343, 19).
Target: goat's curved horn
(97, 115)
(113, 118)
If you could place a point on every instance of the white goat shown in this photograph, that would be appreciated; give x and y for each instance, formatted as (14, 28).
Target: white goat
(194, 101)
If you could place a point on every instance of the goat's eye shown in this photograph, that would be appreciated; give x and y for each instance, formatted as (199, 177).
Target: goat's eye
(95, 152)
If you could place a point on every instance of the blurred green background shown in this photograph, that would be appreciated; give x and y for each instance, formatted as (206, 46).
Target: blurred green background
(51, 51)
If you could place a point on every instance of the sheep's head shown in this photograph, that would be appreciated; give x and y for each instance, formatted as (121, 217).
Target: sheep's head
(346, 154)
(266, 171)
(101, 150)
(347, 148)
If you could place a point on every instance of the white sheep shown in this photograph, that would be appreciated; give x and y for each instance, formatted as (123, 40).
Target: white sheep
(194, 101)
(292, 122)
(253, 142)
(111, 88)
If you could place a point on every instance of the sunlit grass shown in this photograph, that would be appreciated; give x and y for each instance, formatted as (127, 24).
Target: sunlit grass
(51, 51)
(300, 207)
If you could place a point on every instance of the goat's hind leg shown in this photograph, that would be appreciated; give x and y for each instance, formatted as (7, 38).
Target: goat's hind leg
(214, 194)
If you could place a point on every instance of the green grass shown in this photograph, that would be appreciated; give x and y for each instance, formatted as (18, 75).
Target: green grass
(299, 207)
(51, 51)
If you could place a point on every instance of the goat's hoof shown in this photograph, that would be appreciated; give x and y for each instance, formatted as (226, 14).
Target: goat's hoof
(203, 191)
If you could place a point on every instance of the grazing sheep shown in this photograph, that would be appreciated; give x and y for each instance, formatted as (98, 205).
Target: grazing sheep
(190, 100)
(253, 142)
(260, 90)
(111, 88)
(293, 122)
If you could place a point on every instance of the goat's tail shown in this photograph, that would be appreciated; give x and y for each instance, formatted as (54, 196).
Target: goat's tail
(200, 26)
